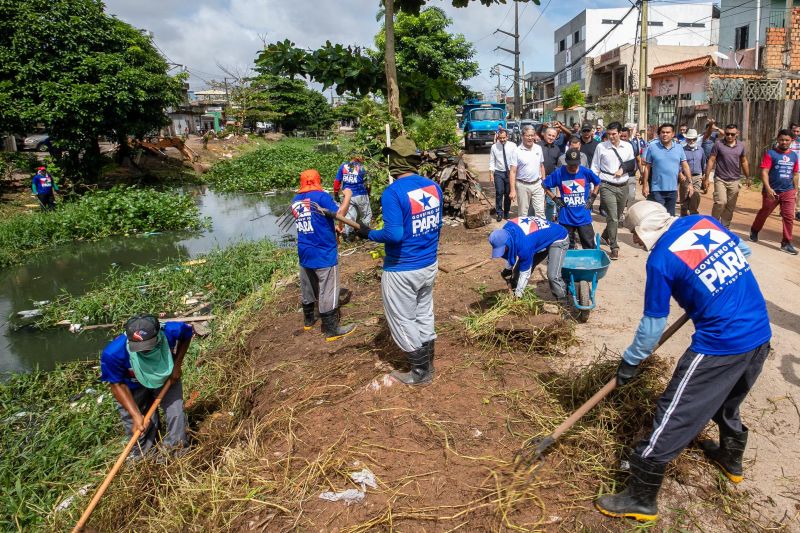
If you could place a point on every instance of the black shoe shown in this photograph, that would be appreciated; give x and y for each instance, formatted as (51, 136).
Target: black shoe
(309, 319)
(797, 216)
(420, 373)
(728, 453)
(331, 328)
(788, 248)
(431, 347)
(639, 499)
(753, 236)
(498, 217)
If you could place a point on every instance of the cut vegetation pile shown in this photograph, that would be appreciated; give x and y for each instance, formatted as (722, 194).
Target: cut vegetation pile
(118, 211)
(275, 166)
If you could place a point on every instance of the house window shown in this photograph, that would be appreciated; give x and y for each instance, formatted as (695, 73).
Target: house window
(562, 78)
(562, 45)
(742, 37)
(576, 74)
(655, 23)
(576, 37)
(610, 21)
(691, 25)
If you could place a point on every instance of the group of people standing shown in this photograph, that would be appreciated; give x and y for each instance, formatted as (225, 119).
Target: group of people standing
(676, 167)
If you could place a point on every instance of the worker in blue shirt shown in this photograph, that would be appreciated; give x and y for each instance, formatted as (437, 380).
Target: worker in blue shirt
(136, 365)
(319, 256)
(525, 242)
(352, 176)
(577, 188)
(703, 266)
(412, 220)
(44, 186)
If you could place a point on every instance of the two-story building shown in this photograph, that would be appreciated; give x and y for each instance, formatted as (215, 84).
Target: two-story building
(744, 23)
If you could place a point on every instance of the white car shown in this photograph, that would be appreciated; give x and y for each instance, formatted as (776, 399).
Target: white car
(37, 141)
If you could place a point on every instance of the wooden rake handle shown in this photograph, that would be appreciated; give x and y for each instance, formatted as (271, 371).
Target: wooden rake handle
(120, 460)
(602, 393)
(331, 214)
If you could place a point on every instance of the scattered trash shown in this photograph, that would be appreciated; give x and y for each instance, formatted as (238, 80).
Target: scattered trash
(477, 433)
(100, 399)
(624, 465)
(365, 478)
(68, 501)
(380, 383)
(348, 496)
(74, 328)
(41, 303)
(30, 313)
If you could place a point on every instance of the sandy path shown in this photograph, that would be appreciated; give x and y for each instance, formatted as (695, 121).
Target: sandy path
(772, 410)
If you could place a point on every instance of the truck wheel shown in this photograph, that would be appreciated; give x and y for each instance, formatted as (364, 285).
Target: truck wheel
(470, 148)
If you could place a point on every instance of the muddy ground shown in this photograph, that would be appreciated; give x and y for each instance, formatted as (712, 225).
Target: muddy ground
(443, 454)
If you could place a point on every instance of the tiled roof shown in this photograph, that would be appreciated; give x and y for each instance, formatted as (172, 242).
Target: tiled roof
(698, 63)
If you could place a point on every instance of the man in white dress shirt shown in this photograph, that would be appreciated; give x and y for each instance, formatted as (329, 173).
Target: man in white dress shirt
(613, 161)
(502, 157)
(527, 175)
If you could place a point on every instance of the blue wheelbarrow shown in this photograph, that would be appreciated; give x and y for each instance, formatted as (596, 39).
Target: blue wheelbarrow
(581, 271)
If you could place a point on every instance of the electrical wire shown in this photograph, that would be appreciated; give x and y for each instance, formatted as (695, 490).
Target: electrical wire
(537, 20)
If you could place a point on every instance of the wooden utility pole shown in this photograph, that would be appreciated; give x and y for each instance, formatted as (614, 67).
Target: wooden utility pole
(643, 66)
(515, 52)
(392, 89)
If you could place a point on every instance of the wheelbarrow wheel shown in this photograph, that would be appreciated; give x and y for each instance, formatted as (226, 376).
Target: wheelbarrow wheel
(585, 299)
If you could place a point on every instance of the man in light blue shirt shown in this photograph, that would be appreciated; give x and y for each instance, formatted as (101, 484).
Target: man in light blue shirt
(665, 164)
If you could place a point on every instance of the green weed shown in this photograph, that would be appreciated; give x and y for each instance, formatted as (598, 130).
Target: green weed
(118, 211)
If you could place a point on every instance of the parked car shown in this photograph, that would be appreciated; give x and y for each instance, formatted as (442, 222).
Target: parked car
(39, 142)
(514, 132)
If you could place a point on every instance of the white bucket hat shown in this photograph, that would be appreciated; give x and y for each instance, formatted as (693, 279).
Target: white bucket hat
(649, 220)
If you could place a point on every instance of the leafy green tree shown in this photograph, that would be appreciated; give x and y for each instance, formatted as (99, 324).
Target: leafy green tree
(293, 105)
(436, 129)
(572, 95)
(82, 74)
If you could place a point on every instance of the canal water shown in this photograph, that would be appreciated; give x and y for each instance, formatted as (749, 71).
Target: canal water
(74, 267)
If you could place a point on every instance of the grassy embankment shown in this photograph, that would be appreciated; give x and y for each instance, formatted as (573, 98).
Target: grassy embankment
(118, 211)
(54, 444)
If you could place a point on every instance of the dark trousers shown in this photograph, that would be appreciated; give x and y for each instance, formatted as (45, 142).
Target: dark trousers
(666, 198)
(703, 387)
(585, 233)
(47, 200)
(502, 188)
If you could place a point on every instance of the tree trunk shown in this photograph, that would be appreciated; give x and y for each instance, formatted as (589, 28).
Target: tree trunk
(392, 90)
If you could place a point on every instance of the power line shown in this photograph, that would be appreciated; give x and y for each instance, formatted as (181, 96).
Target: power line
(537, 20)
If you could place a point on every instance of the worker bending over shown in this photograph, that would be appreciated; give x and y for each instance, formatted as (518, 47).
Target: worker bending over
(701, 264)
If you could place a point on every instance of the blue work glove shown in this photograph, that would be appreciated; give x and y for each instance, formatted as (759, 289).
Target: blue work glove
(626, 372)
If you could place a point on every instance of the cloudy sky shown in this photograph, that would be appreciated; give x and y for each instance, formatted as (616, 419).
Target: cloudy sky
(203, 33)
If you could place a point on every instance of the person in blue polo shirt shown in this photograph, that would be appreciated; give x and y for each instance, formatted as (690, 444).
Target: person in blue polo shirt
(703, 266)
(136, 365)
(412, 220)
(319, 256)
(577, 187)
(665, 165)
(525, 242)
(44, 186)
(352, 176)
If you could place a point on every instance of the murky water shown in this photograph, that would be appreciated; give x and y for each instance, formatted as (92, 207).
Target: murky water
(75, 266)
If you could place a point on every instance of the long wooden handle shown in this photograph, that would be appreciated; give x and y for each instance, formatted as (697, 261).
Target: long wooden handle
(328, 213)
(120, 460)
(608, 387)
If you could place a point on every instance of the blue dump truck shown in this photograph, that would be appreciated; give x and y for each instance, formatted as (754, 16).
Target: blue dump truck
(480, 121)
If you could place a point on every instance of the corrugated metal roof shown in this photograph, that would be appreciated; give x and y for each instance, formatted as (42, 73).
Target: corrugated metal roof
(698, 63)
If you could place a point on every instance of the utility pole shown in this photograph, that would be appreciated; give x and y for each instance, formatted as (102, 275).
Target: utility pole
(515, 52)
(643, 66)
(524, 89)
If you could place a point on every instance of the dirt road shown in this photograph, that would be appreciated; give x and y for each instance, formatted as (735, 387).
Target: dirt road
(772, 410)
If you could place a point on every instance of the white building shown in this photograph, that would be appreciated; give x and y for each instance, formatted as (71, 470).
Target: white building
(668, 24)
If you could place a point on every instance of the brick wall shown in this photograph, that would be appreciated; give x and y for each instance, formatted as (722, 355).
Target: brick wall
(794, 56)
(773, 50)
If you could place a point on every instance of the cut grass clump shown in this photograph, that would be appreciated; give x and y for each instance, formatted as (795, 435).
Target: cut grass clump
(118, 211)
(275, 166)
(220, 278)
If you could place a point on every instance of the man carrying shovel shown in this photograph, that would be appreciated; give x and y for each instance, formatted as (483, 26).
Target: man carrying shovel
(701, 264)
(137, 365)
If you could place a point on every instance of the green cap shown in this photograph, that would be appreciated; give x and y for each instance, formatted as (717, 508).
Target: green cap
(402, 146)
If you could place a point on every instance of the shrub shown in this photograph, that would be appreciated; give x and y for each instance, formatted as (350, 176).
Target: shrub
(436, 129)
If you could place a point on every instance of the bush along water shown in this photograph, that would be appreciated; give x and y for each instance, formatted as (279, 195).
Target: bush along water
(219, 279)
(60, 431)
(118, 211)
(275, 166)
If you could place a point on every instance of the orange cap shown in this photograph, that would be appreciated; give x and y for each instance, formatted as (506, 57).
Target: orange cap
(310, 181)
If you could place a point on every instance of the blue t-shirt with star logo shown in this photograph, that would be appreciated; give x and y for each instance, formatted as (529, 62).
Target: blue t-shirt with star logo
(529, 235)
(351, 176)
(412, 219)
(316, 236)
(575, 190)
(697, 262)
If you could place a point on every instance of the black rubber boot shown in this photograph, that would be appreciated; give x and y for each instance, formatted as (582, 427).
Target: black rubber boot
(639, 499)
(331, 328)
(430, 346)
(344, 296)
(420, 373)
(728, 453)
(309, 319)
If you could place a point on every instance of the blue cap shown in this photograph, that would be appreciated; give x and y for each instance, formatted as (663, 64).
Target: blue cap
(498, 239)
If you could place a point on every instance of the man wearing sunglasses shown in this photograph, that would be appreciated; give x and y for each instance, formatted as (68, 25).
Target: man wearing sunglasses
(729, 162)
(136, 365)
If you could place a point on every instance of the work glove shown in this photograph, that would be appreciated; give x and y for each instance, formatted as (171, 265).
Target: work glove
(559, 201)
(626, 372)
(363, 231)
(590, 202)
(506, 275)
